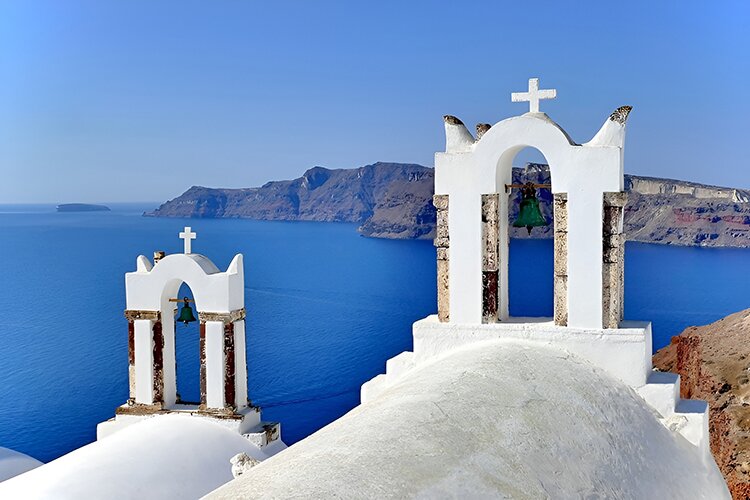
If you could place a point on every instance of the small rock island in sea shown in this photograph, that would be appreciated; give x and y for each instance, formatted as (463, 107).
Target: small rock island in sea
(82, 207)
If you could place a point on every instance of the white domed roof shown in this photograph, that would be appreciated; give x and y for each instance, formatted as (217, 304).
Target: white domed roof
(13, 463)
(169, 456)
(500, 420)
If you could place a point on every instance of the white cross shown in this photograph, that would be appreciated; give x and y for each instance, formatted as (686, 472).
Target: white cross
(188, 236)
(534, 95)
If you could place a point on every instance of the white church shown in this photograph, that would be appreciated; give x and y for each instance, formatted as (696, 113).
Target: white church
(486, 406)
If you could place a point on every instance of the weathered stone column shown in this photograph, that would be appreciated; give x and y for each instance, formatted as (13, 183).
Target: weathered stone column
(442, 242)
(131, 361)
(223, 372)
(490, 257)
(202, 351)
(229, 368)
(613, 255)
(145, 358)
(560, 210)
(158, 360)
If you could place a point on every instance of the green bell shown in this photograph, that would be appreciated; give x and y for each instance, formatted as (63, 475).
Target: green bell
(186, 313)
(529, 214)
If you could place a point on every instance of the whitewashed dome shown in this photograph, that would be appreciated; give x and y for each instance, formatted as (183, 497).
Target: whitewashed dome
(169, 456)
(500, 420)
(13, 463)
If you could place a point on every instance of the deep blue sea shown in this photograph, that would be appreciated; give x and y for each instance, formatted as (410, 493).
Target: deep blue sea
(326, 308)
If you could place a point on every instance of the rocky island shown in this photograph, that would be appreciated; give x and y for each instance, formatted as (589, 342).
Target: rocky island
(394, 200)
(81, 207)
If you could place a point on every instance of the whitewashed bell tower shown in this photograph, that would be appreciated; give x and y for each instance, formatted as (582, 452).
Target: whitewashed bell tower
(219, 297)
(473, 177)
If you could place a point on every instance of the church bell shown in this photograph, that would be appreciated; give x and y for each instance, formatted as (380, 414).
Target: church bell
(529, 214)
(186, 313)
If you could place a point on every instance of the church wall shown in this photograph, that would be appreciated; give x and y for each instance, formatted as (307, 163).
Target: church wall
(623, 352)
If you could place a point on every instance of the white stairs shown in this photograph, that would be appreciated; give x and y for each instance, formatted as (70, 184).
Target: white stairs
(689, 417)
(394, 370)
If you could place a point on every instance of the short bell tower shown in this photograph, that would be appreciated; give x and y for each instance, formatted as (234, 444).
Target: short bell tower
(219, 298)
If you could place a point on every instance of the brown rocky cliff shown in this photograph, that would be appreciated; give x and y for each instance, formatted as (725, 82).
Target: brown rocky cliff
(713, 363)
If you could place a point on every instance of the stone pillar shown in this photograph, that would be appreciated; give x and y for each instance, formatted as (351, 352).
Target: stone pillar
(214, 364)
(442, 242)
(560, 210)
(223, 371)
(240, 364)
(229, 368)
(202, 351)
(490, 257)
(145, 358)
(131, 361)
(613, 259)
(158, 361)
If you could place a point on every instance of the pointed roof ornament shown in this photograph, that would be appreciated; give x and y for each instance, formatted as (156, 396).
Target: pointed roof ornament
(612, 132)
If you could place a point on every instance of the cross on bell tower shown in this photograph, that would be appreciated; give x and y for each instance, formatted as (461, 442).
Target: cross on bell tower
(534, 95)
(188, 235)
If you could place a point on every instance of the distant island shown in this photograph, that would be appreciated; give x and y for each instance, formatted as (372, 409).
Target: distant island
(394, 200)
(82, 207)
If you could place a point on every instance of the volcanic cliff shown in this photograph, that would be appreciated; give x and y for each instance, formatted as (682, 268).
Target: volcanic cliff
(394, 200)
(713, 362)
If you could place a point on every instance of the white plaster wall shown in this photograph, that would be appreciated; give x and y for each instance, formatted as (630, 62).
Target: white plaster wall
(625, 352)
(215, 364)
(213, 290)
(583, 172)
(240, 364)
(250, 420)
(144, 366)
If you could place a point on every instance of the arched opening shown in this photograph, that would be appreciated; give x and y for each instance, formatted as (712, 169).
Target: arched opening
(531, 255)
(187, 351)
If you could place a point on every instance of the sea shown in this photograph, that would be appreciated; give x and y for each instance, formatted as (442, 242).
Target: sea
(326, 308)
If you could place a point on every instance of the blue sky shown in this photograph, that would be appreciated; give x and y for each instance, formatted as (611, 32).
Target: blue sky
(139, 100)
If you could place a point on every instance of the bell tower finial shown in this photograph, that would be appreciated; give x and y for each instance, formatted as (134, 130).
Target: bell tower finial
(188, 236)
(534, 95)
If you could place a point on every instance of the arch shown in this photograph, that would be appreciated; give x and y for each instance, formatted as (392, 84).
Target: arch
(531, 270)
(495, 151)
(187, 364)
